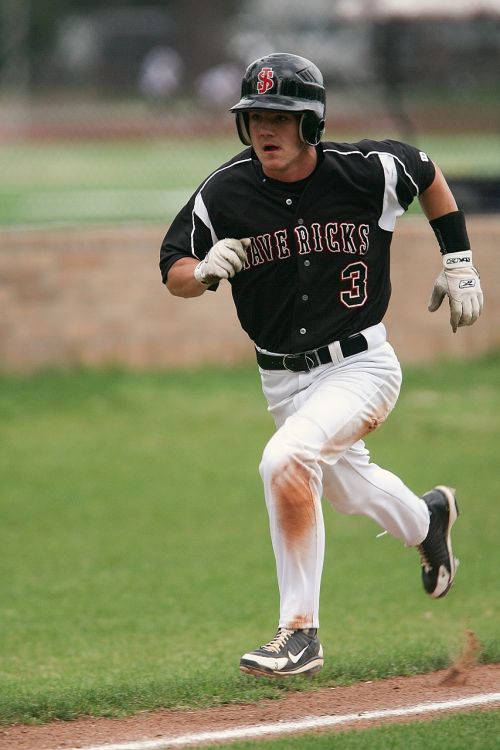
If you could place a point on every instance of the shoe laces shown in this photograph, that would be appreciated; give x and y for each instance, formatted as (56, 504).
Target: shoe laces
(279, 640)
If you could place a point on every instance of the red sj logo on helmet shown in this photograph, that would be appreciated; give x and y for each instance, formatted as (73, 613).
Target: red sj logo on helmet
(266, 80)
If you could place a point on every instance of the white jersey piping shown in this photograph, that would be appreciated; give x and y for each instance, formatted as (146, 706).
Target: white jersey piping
(391, 207)
(200, 210)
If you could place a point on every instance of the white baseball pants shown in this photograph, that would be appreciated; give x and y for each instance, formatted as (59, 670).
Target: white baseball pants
(321, 417)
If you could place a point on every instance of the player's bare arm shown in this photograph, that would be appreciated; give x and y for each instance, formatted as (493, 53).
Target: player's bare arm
(438, 199)
(190, 278)
(181, 281)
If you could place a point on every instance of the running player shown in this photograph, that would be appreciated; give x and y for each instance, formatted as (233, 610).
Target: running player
(302, 229)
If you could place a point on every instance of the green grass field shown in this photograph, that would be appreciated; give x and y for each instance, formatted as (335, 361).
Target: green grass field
(471, 731)
(48, 182)
(136, 561)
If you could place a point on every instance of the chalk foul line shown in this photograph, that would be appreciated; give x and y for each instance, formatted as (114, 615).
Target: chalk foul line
(297, 725)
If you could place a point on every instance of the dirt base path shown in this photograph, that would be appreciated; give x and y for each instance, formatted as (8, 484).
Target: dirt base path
(462, 680)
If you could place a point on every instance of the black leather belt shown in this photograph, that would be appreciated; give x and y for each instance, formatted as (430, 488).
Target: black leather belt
(305, 361)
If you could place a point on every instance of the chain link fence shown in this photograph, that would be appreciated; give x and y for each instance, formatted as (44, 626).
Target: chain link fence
(114, 111)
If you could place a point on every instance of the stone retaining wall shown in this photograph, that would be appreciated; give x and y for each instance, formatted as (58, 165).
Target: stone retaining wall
(93, 296)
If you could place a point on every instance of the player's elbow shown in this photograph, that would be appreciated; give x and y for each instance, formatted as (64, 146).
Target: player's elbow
(182, 286)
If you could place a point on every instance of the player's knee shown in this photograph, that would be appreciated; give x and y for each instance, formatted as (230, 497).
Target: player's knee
(273, 458)
(277, 454)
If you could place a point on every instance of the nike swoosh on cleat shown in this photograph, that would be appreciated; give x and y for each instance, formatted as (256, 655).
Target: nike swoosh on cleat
(294, 657)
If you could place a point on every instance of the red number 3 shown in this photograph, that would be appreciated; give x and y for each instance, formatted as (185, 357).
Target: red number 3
(356, 274)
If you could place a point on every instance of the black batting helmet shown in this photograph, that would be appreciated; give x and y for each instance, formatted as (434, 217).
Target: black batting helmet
(285, 83)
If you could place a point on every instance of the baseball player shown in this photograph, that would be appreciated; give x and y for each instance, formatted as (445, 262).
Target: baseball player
(302, 229)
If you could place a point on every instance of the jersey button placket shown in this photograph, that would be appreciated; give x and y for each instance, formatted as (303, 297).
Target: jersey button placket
(304, 297)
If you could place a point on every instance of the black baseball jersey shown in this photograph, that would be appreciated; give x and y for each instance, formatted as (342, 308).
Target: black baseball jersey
(318, 265)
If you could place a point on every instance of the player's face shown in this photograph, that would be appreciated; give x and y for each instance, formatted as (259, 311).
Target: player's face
(275, 140)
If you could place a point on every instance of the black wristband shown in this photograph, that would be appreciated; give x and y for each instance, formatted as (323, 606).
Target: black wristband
(451, 232)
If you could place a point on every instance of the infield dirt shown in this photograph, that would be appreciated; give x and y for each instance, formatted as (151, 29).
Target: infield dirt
(463, 679)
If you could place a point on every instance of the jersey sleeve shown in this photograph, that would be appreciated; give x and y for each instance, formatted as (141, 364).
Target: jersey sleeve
(195, 229)
(415, 171)
(407, 172)
(188, 236)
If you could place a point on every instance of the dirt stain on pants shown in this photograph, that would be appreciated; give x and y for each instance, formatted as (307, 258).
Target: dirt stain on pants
(294, 501)
(351, 433)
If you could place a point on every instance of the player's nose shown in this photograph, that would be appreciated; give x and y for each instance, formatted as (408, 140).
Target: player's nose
(266, 127)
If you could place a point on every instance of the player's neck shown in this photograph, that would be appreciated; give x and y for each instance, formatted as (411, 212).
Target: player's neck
(297, 169)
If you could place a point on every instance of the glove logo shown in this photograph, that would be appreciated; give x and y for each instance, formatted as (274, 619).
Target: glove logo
(266, 80)
(466, 283)
(453, 261)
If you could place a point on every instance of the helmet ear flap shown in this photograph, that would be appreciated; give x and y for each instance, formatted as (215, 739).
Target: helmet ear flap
(311, 128)
(242, 124)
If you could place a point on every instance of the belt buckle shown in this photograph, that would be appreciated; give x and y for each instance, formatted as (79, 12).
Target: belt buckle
(308, 362)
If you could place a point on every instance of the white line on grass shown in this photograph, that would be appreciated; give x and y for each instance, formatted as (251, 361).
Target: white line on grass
(299, 725)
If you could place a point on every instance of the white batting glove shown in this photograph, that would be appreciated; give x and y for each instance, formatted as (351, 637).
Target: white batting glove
(223, 261)
(459, 281)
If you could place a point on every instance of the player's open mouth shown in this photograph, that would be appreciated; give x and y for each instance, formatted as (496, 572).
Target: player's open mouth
(269, 147)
